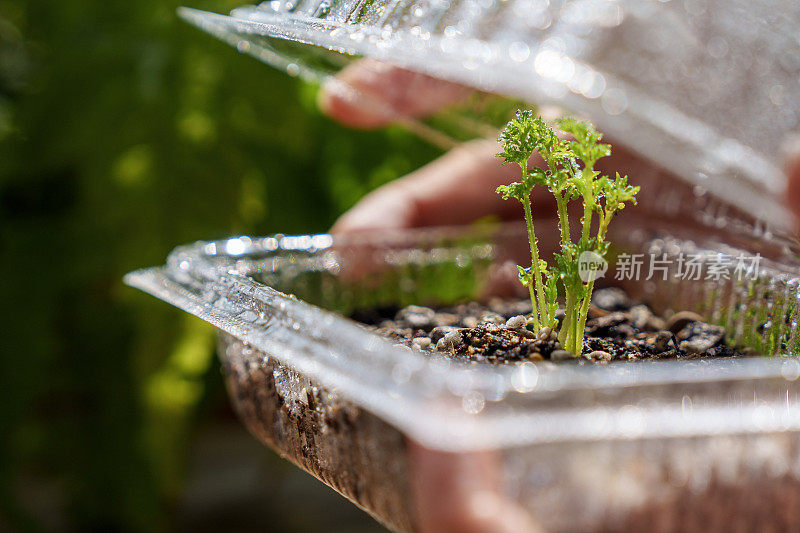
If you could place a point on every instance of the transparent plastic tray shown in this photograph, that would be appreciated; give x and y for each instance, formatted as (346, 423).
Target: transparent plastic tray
(577, 447)
(705, 88)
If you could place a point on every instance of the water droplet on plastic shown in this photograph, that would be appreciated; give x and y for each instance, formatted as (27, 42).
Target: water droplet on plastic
(519, 51)
(776, 94)
(717, 47)
(525, 378)
(473, 402)
(790, 370)
(687, 405)
(323, 10)
(614, 101)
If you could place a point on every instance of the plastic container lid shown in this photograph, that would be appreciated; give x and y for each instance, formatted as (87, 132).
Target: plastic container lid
(707, 88)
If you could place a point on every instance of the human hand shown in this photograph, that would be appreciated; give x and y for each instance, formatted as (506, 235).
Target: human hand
(458, 187)
(462, 493)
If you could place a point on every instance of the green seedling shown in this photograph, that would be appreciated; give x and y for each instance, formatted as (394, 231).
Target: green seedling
(569, 174)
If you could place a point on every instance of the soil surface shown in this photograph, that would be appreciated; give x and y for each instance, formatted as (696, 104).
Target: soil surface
(497, 332)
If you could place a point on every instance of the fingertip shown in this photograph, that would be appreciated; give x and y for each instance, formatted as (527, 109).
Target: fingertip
(339, 100)
(324, 100)
(370, 94)
(383, 209)
(491, 511)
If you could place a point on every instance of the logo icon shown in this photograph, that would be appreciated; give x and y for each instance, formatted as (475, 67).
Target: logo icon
(591, 266)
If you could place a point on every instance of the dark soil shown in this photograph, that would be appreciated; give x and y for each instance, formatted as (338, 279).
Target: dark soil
(497, 332)
(334, 440)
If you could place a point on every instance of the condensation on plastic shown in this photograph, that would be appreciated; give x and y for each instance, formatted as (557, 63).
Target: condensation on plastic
(706, 88)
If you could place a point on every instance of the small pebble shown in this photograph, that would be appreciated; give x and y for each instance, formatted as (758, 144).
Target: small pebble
(421, 343)
(699, 337)
(445, 319)
(560, 355)
(595, 311)
(644, 319)
(516, 322)
(697, 346)
(661, 340)
(680, 320)
(439, 332)
(449, 341)
(454, 338)
(544, 333)
(611, 299)
(599, 355)
(640, 314)
(416, 316)
(470, 322)
(492, 318)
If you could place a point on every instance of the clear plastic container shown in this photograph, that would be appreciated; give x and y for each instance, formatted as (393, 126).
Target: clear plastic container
(577, 447)
(707, 89)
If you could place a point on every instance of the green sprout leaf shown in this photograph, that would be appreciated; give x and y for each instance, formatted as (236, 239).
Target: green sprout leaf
(568, 174)
(520, 138)
(586, 146)
(617, 193)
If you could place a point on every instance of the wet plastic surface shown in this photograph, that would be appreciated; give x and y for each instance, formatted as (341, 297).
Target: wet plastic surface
(706, 88)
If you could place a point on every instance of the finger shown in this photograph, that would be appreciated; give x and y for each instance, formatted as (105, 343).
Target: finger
(370, 94)
(793, 175)
(461, 492)
(457, 188)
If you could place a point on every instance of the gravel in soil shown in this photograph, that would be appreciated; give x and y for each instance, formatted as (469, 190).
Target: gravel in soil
(498, 332)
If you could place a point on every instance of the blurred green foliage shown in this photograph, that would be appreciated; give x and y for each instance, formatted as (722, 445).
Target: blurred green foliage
(124, 132)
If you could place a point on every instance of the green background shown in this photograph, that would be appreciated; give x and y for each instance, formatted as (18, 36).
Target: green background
(125, 132)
